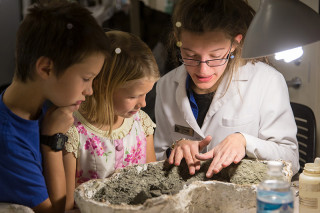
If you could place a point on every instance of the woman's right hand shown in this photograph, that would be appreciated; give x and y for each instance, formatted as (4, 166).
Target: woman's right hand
(187, 149)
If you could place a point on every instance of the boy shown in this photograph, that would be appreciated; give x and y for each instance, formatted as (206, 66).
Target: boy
(60, 49)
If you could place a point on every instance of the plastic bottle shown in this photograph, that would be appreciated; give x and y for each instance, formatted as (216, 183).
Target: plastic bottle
(309, 188)
(274, 194)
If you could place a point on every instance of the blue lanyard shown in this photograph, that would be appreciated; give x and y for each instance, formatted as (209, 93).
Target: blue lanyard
(192, 100)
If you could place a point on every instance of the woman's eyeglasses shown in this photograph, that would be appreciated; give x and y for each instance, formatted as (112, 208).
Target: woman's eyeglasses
(210, 63)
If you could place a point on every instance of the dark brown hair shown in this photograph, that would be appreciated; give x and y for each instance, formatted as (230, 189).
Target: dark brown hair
(63, 31)
(232, 17)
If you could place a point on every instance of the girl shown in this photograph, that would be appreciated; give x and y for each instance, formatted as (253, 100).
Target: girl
(220, 101)
(110, 131)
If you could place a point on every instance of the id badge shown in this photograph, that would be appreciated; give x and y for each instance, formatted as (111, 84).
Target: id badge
(184, 130)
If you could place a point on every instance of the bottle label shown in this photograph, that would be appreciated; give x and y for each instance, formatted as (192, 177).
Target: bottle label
(266, 207)
(307, 202)
(309, 187)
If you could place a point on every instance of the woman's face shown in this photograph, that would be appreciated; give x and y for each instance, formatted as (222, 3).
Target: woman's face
(203, 47)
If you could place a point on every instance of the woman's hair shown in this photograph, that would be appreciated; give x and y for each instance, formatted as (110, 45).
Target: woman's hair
(131, 59)
(232, 17)
(61, 30)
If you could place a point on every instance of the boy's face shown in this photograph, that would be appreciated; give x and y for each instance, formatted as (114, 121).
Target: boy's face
(75, 83)
(129, 99)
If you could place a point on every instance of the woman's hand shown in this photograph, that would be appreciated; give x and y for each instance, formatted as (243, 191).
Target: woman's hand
(187, 149)
(231, 150)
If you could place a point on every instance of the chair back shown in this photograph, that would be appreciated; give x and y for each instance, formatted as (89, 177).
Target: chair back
(306, 135)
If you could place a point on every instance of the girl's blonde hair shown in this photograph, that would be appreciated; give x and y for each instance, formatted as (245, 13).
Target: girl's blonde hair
(232, 17)
(131, 59)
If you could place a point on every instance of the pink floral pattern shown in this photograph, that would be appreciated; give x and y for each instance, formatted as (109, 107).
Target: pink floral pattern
(137, 152)
(81, 179)
(93, 144)
(137, 119)
(81, 129)
(93, 174)
(99, 156)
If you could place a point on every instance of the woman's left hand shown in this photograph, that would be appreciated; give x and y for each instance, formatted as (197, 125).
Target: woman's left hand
(231, 150)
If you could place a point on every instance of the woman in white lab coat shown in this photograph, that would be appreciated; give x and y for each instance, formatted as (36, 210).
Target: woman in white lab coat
(216, 102)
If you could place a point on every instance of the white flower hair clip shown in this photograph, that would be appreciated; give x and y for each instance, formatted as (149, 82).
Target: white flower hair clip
(179, 44)
(178, 25)
(117, 50)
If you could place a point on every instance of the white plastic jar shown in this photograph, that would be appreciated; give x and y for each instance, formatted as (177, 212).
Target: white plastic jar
(309, 188)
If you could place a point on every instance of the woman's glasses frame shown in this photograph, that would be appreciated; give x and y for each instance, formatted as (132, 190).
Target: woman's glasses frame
(211, 63)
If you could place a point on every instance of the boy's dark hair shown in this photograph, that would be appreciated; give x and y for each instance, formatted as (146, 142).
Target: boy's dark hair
(63, 31)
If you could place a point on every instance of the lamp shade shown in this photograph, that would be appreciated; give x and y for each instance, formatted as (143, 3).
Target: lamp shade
(280, 25)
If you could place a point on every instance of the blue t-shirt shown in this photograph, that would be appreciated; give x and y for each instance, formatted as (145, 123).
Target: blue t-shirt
(21, 178)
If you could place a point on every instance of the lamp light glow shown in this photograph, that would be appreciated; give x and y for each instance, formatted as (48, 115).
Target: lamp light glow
(289, 55)
(280, 25)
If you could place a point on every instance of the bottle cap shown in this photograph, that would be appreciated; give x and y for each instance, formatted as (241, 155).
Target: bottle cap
(275, 165)
(275, 170)
(313, 168)
(317, 161)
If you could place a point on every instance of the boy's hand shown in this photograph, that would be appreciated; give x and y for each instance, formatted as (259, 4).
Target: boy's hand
(58, 120)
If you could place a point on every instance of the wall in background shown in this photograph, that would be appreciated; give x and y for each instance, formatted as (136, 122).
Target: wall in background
(308, 70)
(9, 22)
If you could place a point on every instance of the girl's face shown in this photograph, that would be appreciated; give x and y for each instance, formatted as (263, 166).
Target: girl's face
(129, 99)
(75, 83)
(203, 47)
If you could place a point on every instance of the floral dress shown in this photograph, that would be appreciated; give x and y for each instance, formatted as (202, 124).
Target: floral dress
(99, 155)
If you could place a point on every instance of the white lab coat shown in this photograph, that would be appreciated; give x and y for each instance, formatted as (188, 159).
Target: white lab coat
(256, 104)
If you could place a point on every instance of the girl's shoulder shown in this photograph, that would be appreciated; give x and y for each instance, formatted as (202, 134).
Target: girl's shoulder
(146, 122)
(72, 144)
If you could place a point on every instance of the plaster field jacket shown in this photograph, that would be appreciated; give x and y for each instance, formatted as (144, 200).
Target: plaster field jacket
(256, 104)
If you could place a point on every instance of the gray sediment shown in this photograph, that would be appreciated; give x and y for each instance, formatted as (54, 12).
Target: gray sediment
(134, 186)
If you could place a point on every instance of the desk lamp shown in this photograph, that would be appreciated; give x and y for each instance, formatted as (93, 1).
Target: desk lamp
(280, 25)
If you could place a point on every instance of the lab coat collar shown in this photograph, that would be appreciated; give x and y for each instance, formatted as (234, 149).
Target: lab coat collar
(241, 76)
(226, 91)
(182, 99)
